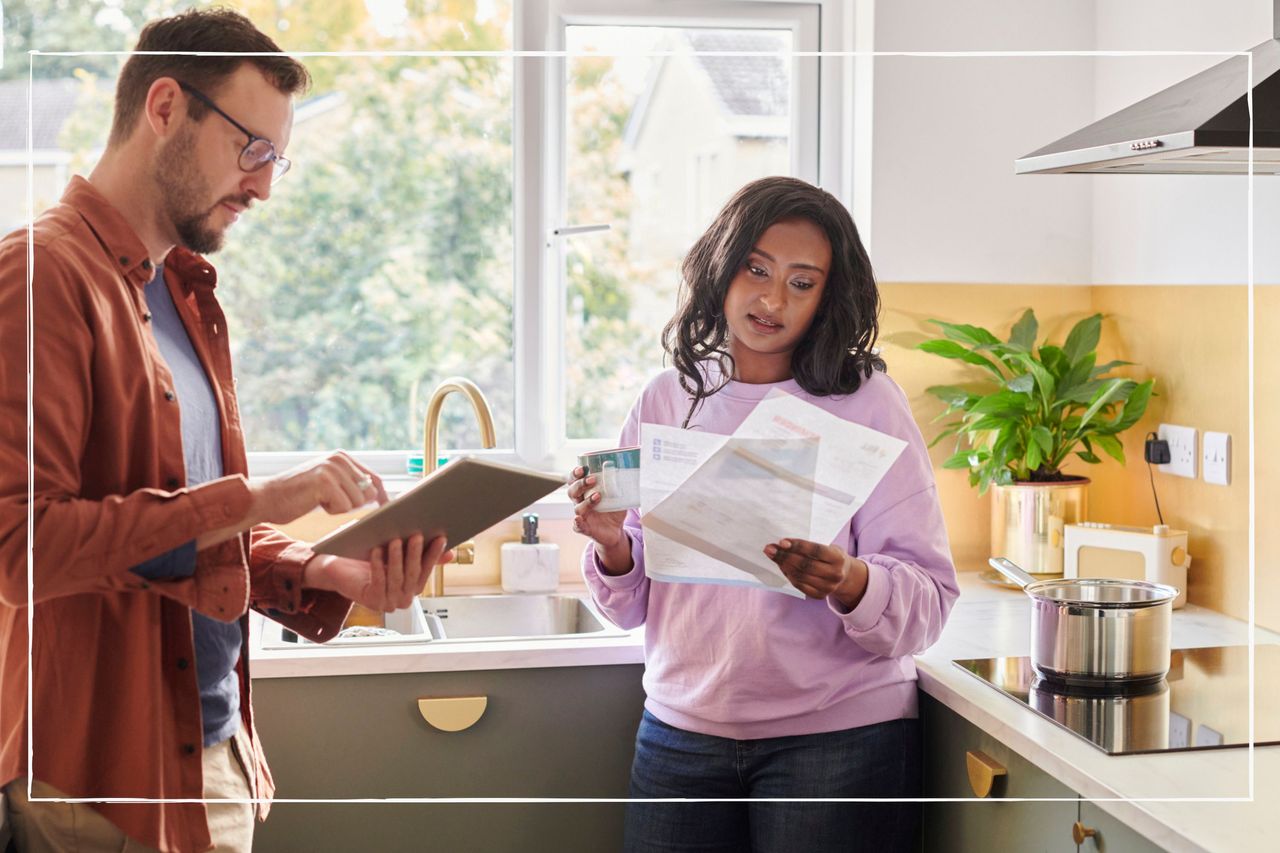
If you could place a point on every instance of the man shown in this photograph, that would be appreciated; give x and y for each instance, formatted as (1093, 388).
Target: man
(148, 542)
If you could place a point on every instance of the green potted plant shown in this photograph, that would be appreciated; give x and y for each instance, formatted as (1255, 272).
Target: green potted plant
(1037, 408)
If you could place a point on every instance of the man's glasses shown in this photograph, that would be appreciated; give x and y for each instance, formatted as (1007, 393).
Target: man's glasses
(257, 152)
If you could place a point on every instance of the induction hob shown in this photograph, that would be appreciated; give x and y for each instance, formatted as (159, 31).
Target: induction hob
(1201, 704)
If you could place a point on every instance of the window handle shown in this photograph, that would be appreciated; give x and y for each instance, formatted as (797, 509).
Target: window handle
(572, 230)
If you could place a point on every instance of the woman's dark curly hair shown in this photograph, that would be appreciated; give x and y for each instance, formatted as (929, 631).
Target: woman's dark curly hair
(835, 354)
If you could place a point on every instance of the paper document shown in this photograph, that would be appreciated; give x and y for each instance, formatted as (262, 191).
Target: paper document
(710, 503)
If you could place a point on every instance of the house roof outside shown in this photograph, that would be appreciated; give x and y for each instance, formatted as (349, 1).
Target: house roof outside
(753, 92)
(54, 100)
(744, 85)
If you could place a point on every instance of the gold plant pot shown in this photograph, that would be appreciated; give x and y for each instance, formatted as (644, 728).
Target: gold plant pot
(1027, 521)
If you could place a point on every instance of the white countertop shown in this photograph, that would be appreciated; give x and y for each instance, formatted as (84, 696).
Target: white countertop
(993, 622)
(1150, 793)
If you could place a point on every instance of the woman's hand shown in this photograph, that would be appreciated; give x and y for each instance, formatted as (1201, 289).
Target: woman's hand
(390, 579)
(613, 546)
(820, 570)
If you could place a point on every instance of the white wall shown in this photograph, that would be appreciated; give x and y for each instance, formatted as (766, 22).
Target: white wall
(1177, 229)
(945, 203)
(946, 206)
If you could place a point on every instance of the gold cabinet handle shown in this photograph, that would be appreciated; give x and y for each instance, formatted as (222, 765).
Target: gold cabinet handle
(983, 770)
(454, 713)
(1079, 832)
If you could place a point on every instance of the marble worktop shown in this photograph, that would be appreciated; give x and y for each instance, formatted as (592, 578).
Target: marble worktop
(1204, 800)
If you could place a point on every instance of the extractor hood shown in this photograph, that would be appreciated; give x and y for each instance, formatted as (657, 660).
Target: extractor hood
(1197, 127)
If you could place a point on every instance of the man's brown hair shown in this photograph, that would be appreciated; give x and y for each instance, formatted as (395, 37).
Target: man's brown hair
(198, 30)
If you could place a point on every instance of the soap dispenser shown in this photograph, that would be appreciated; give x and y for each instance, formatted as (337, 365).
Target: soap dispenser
(530, 565)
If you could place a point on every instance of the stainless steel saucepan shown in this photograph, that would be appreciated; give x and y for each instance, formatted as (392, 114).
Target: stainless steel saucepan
(1094, 631)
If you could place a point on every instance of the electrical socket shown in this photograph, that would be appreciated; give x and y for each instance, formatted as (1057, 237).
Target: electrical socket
(1217, 458)
(1182, 450)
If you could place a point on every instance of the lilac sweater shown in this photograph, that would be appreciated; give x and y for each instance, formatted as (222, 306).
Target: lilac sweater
(745, 663)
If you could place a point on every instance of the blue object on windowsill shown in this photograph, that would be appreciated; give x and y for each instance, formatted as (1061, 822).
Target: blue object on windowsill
(414, 465)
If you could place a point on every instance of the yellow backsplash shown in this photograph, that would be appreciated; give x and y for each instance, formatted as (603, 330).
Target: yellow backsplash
(1193, 339)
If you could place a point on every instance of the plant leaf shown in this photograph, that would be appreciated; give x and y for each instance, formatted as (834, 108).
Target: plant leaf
(1002, 349)
(1083, 338)
(1112, 446)
(1134, 407)
(1113, 389)
(1033, 456)
(1041, 435)
(988, 422)
(1054, 360)
(1098, 371)
(951, 349)
(1082, 393)
(1021, 384)
(1008, 443)
(966, 334)
(952, 395)
(1048, 385)
(1088, 457)
(957, 461)
(1078, 374)
(1001, 402)
(1024, 331)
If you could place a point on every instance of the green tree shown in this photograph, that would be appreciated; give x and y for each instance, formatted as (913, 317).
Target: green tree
(389, 266)
(74, 25)
(608, 355)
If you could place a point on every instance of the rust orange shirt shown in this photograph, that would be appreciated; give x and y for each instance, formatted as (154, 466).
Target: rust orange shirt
(115, 705)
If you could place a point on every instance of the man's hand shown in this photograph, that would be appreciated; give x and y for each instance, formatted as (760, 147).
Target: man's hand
(391, 579)
(336, 483)
(821, 570)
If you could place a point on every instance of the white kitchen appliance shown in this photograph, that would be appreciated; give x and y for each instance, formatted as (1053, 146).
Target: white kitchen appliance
(1156, 554)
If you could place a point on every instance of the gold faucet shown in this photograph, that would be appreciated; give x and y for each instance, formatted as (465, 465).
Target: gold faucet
(464, 552)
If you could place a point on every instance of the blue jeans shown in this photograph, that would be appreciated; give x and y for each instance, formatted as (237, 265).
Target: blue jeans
(877, 761)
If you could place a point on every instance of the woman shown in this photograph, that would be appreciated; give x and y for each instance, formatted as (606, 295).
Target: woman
(753, 695)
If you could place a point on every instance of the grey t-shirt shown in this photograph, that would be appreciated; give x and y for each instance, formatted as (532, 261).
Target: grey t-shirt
(217, 643)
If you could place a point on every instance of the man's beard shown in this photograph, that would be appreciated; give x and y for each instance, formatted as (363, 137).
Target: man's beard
(184, 193)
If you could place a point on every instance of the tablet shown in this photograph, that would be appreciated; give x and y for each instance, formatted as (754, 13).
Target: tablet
(465, 497)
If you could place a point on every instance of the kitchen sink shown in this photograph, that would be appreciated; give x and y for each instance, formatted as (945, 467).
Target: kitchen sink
(506, 617)
(405, 626)
(469, 618)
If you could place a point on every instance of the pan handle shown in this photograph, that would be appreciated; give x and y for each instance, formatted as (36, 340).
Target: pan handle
(1012, 571)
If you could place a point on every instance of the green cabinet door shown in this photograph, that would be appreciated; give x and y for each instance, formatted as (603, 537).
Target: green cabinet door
(993, 824)
(545, 733)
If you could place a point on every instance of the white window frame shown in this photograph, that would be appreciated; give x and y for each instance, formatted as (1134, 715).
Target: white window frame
(821, 133)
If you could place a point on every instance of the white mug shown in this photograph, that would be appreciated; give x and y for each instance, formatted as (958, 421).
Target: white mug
(617, 473)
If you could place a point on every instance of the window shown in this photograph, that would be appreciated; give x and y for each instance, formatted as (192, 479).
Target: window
(654, 116)
(514, 219)
(675, 115)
